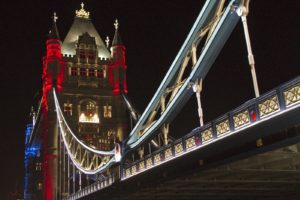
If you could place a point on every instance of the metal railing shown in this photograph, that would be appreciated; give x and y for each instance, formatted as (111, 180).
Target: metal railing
(96, 186)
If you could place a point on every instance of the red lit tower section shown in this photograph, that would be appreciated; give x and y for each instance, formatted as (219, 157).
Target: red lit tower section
(117, 69)
(53, 69)
(53, 64)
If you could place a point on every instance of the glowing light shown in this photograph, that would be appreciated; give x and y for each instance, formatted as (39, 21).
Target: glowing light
(253, 116)
(53, 54)
(91, 118)
(118, 153)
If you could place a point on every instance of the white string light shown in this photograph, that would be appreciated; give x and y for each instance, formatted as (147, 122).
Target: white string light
(62, 121)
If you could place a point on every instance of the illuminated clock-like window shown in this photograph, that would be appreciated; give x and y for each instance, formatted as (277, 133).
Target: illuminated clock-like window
(107, 111)
(68, 109)
(88, 113)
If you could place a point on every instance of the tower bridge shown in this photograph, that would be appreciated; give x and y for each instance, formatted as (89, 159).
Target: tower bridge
(80, 144)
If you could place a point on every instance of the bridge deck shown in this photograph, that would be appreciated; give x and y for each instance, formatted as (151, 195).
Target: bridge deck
(259, 173)
(273, 175)
(167, 172)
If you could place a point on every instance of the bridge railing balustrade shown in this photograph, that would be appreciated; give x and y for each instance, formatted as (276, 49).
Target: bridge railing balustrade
(253, 111)
(96, 186)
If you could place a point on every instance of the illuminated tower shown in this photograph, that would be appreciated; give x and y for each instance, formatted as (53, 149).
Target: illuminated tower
(90, 83)
(90, 98)
(117, 70)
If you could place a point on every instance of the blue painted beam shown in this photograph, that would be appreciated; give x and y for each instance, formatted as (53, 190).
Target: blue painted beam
(204, 17)
(214, 45)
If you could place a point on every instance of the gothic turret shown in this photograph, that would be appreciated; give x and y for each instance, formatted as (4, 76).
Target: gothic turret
(88, 80)
(52, 63)
(53, 74)
(118, 67)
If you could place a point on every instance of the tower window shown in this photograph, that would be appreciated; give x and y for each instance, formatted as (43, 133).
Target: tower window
(82, 46)
(91, 56)
(73, 71)
(38, 166)
(91, 46)
(100, 73)
(82, 71)
(68, 109)
(82, 56)
(40, 186)
(91, 72)
(107, 111)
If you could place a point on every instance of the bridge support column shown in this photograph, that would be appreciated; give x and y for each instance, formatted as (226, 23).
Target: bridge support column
(141, 152)
(80, 180)
(197, 87)
(149, 148)
(69, 178)
(51, 151)
(60, 171)
(165, 131)
(88, 179)
(74, 179)
(243, 12)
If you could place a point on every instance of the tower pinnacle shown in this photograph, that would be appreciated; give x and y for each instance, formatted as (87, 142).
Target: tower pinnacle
(82, 13)
(107, 41)
(54, 17)
(117, 39)
(53, 33)
(116, 24)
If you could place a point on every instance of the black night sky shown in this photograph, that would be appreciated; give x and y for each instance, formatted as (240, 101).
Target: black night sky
(153, 32)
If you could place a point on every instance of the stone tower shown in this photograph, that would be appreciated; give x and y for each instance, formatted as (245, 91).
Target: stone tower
(89, 77)
(91, 97)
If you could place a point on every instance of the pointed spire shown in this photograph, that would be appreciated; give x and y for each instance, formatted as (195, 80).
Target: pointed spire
(117, 38)
(53, 33)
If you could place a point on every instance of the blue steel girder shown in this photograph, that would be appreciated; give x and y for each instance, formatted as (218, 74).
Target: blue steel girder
(208, 56)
